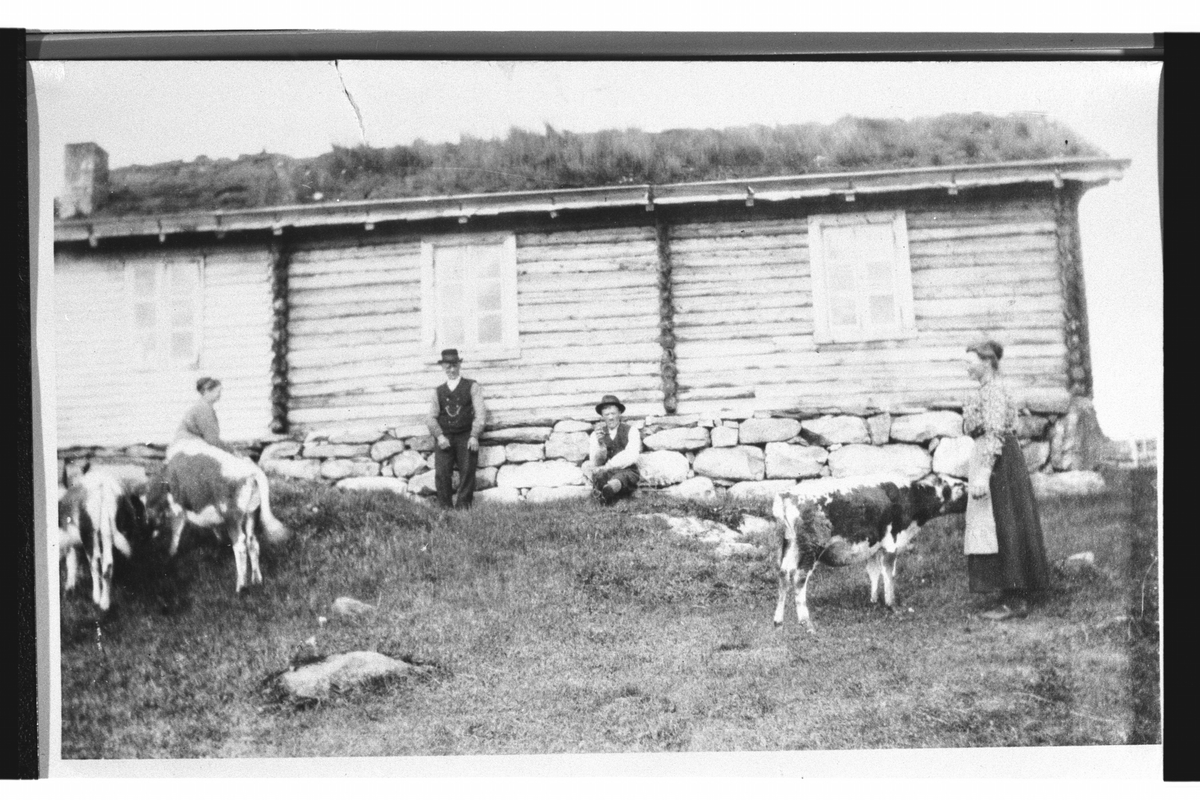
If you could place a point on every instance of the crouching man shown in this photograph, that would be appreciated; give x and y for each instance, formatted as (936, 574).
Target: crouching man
(613, 452)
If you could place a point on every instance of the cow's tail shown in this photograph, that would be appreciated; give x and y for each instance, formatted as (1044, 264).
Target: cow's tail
(106, 525)
(275, 530)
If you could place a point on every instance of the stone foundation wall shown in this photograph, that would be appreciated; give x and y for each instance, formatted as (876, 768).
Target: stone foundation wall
(683, 455)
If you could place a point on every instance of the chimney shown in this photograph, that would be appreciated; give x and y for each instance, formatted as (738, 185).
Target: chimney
(86, 166)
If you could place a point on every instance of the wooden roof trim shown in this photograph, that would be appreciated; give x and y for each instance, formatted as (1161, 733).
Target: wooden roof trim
(1090, 171)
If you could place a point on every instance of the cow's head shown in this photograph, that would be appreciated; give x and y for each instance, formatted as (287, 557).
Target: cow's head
(72, 470)
(937, 494)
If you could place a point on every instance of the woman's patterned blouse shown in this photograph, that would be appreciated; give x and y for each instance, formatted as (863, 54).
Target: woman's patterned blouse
(990, 413)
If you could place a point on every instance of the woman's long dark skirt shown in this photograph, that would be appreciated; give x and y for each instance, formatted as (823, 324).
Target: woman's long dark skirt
(1020, 563)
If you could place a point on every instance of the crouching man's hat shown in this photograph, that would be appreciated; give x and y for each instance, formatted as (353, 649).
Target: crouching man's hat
(610, 400)
(450, 357)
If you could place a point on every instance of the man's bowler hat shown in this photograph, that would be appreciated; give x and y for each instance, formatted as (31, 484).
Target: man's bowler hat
(610, 400)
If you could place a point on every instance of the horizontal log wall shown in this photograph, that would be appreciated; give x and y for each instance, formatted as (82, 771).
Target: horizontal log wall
(587, 319)
(105, 397)
(744, 314)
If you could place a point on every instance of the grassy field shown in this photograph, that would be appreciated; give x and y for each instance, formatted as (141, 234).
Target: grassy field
(568, 628)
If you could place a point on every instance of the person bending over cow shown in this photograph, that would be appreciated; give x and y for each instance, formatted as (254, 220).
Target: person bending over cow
(613, 452)
(200, 421)
(456, 419)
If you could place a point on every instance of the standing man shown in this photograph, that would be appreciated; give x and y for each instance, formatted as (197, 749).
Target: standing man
(613, 452)
(456, 417)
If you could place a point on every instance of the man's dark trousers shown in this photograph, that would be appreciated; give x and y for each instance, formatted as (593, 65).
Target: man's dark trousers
(445, 461)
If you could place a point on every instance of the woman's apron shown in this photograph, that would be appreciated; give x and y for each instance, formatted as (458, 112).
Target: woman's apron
(980, 536)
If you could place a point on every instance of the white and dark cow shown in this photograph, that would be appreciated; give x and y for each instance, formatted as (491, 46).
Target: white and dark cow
(841, 522)
(210, 488)
(95, 512)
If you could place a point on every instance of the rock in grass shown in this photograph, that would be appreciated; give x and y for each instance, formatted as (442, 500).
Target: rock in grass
(342, 672)
(348, 607)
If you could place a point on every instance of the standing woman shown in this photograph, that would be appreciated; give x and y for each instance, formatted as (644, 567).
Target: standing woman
(1003, 540)
(200, 421)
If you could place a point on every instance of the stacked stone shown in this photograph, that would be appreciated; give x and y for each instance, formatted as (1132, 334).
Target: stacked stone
(684, 455)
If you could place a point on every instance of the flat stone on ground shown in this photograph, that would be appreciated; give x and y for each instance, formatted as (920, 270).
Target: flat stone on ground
(543, 494)
(697, 488)
(760, 488)
(342, 672)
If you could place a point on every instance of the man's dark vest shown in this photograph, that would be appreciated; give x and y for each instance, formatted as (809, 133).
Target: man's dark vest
(613, 446)
(456, 412)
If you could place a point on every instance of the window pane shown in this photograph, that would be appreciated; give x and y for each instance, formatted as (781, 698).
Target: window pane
(452, 331)
(144, 316)
(841, 277)
(839, 243)
(875, 241)
(181, 346)
(883, 310)
(181, 315)
(184, 279)
(146, 347)
(842, 310)
(490, 329)
(879, 275)
(449, 265)
(487, 261)
(489, 296)
(144, 280)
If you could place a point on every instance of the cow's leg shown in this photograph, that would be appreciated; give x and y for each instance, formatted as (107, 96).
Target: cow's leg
(237, 535)
(800, 582)
(780, 606)
(71, 555)
(178, 518)
(95, 562)
(788, 557)
(889, 578)
(874, 569)
(251, 537)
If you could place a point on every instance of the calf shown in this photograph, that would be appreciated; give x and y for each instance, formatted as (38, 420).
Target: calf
(840, 522)
(94, 515)
(210, 488)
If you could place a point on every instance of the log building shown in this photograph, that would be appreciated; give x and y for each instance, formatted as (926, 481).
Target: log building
(848, 293)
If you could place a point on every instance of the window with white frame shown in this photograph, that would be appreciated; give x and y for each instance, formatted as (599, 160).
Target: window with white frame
(165, 301)
(469, 295)
(861, 278)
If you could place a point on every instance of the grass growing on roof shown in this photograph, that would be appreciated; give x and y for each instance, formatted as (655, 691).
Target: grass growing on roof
(559, 159)
(570, 628)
